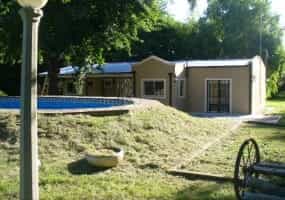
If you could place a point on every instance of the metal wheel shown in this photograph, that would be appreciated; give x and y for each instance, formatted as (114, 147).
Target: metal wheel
(248, 155)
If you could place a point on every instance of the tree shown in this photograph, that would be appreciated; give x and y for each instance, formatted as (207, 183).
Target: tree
(169, 39)
(10, 29)
(248, 28)
(92, 25)
(72, 30)
(238, 25)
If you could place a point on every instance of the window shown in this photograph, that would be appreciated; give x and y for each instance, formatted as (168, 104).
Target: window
(108, 83)
(180, 88)
(218, 93)
(154, 88)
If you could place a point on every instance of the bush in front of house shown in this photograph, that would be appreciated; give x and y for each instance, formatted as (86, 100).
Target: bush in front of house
(272, 85)
(2, 93)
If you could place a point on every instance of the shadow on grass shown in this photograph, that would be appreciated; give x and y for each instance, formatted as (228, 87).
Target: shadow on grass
(203, 190)
(149, 166)
(277, 132)
(277, 136)
(82, 167)
(6, 134)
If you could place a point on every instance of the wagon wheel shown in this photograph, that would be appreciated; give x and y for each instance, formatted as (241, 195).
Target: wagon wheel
(248, 155)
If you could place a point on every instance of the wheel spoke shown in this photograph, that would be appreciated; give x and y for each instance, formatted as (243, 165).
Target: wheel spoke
(243, 160)
(249, 146)
(248, 155)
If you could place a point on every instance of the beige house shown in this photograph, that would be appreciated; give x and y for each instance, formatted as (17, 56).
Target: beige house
(219, 86)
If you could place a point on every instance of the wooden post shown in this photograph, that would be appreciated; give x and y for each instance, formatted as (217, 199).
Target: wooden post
(134, 84)
(258, 196)
(269, 170)
(170, 89)
(29, 138)
(265, 187)
(272, 165)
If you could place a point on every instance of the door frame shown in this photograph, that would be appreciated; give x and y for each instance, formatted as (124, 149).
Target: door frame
(206, 91)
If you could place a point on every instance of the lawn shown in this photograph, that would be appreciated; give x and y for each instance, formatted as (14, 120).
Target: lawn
(155, 139)
(277, 106)
(220, 159)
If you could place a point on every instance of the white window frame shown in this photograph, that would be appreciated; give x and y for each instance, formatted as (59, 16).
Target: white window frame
(178, 82)
(153, 96)
(111, 83)
(206, 91)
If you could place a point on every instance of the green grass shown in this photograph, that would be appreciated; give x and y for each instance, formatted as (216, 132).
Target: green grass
(220, 159)
(154, 139)
(277, 106)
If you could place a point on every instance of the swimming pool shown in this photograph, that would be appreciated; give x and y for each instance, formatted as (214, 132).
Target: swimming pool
(66, 103)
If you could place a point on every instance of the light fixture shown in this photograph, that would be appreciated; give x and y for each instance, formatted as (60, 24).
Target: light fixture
(36, 4)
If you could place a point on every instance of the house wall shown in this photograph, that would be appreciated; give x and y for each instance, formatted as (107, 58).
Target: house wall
(111, 91)
(258, 85)
(120, 86)
(245, 80)
(94, 87)
(180, 73)
(65, 82)
(153, 68)
(196, 95)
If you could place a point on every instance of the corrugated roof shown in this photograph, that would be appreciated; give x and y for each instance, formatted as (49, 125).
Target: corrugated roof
(126, 67)
(64, 71)
(108, 68)
(120, 67)
(218, 63)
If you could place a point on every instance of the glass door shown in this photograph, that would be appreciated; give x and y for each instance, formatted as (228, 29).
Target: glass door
(218, 96)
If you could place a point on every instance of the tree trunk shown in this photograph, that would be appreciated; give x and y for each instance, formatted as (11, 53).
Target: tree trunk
(53, 72)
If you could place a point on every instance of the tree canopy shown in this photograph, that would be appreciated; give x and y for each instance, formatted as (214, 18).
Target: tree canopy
(82, 32)
(73, 30)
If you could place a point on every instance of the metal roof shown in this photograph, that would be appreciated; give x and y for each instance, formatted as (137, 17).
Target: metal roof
(126, 67)
(108, 68)
(218, 63)
(120, 67)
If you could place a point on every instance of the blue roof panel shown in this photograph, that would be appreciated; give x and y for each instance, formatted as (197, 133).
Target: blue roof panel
(122, 67)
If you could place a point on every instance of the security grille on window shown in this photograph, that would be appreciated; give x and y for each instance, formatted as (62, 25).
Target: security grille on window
(154, 88)
(180, 87)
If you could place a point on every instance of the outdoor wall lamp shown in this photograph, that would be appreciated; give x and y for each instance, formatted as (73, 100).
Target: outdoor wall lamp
(36, 4)
(31, 14)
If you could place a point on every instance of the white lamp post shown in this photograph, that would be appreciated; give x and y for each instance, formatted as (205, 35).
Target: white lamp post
(31, 14)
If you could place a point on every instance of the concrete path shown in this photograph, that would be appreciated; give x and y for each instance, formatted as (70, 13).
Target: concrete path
(232, 130)
(265, 119)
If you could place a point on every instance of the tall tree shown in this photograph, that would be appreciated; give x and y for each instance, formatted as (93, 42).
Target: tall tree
(240, 24)
(74, 30)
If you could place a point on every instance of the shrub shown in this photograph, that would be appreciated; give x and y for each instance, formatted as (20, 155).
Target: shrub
(2, 93)
(275, 82)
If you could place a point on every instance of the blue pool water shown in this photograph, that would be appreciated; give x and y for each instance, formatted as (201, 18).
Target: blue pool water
(58, 103)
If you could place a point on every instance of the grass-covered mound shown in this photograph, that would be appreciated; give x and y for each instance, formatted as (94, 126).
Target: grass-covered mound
(153, 138)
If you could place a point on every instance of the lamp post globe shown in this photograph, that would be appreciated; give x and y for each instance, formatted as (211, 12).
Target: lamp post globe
(36, 4)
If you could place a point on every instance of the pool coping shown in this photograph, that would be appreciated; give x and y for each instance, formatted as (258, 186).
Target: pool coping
(135, 103)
